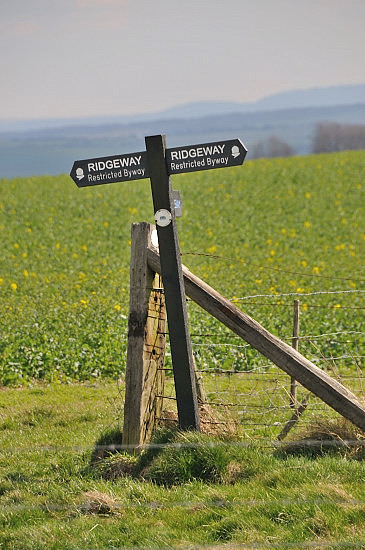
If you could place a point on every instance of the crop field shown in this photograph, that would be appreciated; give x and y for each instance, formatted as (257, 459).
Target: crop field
(263, 235)
(274, 229)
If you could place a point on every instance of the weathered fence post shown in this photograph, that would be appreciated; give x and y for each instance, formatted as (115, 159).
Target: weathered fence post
(295, 345)
(144, 379)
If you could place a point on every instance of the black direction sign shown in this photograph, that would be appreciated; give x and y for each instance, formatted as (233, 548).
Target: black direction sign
(205, 156)
(134, 166)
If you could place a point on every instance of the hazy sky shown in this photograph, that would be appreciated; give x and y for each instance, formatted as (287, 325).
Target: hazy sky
(62, 58)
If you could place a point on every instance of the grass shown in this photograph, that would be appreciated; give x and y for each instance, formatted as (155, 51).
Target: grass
(200, 490)
(273, 229)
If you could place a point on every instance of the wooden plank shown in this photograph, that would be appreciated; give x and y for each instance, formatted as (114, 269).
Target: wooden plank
(277, 351)
(146, 344)
(177, 317)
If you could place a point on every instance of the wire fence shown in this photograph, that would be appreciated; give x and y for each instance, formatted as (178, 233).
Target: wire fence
(245, 390)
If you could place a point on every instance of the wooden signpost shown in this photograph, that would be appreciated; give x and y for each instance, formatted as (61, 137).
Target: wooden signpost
(158, 163)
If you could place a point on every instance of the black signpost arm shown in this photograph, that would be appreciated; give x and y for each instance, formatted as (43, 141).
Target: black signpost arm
(181, 351)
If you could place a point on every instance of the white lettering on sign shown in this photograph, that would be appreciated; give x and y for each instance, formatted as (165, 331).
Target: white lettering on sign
(198, 152)
(122, 175)
(188, 164)
(111, 164)
(221, 161)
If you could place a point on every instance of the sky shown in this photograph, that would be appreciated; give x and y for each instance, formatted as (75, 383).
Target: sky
(75, 58)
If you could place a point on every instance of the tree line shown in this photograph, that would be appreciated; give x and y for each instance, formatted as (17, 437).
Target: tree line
(327, 137)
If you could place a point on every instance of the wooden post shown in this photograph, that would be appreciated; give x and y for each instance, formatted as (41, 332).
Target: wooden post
(144, 378)
(295, 345)
(177, 317)
(284, 356)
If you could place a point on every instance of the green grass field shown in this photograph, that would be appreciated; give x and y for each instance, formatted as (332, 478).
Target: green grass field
(262, 234)
(277, 226)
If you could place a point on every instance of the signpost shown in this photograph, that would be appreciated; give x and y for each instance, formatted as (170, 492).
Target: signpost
(134, 166)
(158, 163)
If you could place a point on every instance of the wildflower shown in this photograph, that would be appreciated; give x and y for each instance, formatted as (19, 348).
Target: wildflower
(16, 245)
(307, 195)
(212, 249)
(13, 286)
(117, 307)
(26, 273)
(84, 247)
(300, 289)
(84, 302)
(337, 306)
(316, 270)
(1, 280)
(307, 224)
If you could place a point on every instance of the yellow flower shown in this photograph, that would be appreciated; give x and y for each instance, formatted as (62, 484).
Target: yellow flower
(307, 224)
(307, 195)
(16, 245)
(13, 286)
(300, 289)
(117, 307)
(212, 249)
(84, 247)
(337, 305)
(258, 281)
(316, 270)
(25, 273)
(1, 280)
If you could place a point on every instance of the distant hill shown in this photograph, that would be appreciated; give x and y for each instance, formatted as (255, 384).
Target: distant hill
(52, 146)
(312, 97)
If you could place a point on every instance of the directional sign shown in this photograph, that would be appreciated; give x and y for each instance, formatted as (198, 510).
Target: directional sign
(134, 166)
(205, 156)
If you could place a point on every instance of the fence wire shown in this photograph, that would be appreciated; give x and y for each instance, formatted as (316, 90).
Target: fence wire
(246, 390)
